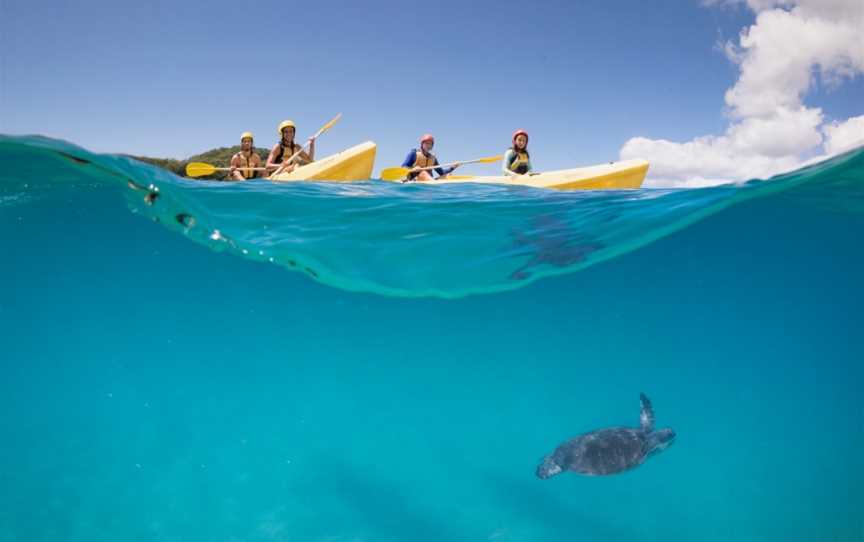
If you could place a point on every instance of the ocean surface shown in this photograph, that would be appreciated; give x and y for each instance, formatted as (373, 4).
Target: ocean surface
(201, 361)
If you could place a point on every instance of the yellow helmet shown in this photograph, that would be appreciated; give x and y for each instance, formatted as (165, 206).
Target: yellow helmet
(244, 135)
(285, 124)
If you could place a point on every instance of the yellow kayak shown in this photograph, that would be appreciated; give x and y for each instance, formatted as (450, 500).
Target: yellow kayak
(612, 176)
(354, 164)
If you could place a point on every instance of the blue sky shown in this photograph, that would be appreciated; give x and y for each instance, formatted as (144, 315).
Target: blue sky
(175, 78)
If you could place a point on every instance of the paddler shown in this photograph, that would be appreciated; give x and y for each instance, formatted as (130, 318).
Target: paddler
(243, 162)
(422, 158)
(286, 148)
(517, 161)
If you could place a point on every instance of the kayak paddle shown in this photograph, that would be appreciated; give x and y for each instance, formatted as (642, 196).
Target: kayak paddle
(396, 173)
(200, 169)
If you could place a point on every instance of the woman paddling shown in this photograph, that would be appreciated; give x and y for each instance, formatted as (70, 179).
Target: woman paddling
(423, 158)
(286, 148)
(517, 161)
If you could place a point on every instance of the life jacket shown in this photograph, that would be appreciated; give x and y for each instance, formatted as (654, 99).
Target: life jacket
(421, 160)
(245, 165)
(519, 163)
(283, 155)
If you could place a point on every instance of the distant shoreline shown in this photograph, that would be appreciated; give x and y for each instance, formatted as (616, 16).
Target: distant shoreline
(219, 157)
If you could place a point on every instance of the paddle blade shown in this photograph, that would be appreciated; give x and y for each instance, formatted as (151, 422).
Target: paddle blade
(491, 159)
(330, 124)
(199, 169)
(394, 173)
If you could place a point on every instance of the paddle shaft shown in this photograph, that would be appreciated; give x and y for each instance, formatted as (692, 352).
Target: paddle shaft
(448, 165)
(240, 167)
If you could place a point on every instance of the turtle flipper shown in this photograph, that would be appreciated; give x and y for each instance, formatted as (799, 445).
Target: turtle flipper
(646, 413)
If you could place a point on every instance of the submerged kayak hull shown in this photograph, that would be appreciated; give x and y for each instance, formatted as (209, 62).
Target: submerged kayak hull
(354, 164)
(628, 174)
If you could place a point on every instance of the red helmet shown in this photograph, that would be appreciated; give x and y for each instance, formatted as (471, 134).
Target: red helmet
(427, 137)
(519, 132)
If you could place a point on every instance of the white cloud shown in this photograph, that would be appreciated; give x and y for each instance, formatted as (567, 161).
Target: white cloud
(771, 129)
(828, 9)
(843, 136)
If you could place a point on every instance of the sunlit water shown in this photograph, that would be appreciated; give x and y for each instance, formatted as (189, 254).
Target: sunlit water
(324, 374)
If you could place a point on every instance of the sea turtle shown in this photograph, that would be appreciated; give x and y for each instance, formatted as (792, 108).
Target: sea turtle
(611, 450)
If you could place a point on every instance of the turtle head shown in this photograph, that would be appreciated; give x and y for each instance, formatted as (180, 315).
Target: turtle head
(548, 468)
(660, 440)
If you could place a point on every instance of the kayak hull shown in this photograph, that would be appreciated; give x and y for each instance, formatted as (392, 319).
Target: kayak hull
(628, 174)
(354, 164)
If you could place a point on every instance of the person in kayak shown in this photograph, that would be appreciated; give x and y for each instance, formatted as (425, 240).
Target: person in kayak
(243, 162)
(422, 158)
(286, 148)
(517, 161)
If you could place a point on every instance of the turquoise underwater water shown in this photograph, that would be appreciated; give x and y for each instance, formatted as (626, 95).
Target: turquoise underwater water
(385, 362)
